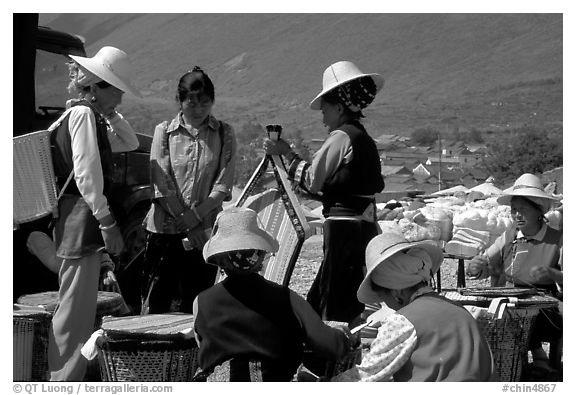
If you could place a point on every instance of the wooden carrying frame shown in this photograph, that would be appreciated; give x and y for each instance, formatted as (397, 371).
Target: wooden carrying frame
(280, 215)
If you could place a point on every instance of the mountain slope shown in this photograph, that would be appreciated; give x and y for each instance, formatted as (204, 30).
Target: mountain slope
(441, 70)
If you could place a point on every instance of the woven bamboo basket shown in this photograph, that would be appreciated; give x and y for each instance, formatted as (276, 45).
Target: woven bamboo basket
(508, 340)
(141, 360)
(35, 193)
(152, 347)
(507, 335)
(30, 344)
(107, 303)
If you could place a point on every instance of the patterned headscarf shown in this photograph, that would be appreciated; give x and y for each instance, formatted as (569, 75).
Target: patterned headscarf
(357, 94)
(242, 261)
(80, 78)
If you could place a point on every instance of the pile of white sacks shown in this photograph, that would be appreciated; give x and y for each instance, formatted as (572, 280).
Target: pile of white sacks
(461, 227)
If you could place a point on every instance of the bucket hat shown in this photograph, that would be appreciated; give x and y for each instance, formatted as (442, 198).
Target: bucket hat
(237, 229)
(112, 65)
(530, 187)
(338, 74)
(383, 247)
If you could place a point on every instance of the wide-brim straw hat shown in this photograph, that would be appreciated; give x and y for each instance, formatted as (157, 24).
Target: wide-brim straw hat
(237, 229)
(384, 246)
(339, 73)
(530, 187)
(112, 65)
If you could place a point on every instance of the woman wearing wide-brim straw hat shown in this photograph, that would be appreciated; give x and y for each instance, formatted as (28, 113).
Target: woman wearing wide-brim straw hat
(422, 336)
(345, 175)
(527, 255)
(84, 139)
(247, 316)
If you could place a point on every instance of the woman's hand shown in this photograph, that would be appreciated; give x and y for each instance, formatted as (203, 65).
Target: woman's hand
(197, 237)
(541, 273)
(112, 239)
(477, 267)
(279, 147)
(186, 221)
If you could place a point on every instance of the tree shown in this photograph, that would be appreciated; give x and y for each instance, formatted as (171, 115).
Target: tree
(523, 150)
(424, 136)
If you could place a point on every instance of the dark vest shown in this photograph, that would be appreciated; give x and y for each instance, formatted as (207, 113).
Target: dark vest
(361, 176)
(62, 151)
(247, 317)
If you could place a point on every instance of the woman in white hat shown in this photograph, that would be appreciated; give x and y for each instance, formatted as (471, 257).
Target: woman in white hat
(427, 338)
(527, 255)
(192, 162)
(345, 174)
(84, 139)
(246, 316)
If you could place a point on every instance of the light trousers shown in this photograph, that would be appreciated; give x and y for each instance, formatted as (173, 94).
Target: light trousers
(73, 320)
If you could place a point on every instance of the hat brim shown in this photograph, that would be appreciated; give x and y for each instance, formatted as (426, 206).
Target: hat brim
(366, 294)
(541, 197)
(377, 78)
(259, 240)
(106, 74)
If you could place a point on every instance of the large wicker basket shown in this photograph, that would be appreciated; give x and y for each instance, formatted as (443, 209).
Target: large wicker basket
(107, 303)
(508, 340)
(507, 330)
(30, 344)
(35, 193)
(154, 360)
(155, 347)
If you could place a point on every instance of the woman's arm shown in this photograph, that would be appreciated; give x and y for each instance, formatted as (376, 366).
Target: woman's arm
(165, 190)
(86, 160)
(392, 348)
(327, 342)
(222, 188)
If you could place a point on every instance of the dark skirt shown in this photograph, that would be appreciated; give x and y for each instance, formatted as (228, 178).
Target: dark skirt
(333, 292)
(172, 277)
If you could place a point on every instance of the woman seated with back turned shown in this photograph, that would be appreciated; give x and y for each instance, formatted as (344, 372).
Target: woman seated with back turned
(247, 317)
(428, 337)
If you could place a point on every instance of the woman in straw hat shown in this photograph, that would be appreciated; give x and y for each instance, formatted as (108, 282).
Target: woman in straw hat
(527, 255)
(248, 317)
(192, 162)
(84, 139)
(345, 174)
(427, 338)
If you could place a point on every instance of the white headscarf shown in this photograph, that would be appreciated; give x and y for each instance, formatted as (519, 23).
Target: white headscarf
(403, 269)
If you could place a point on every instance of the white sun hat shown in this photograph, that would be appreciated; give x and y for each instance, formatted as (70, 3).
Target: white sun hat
(339, 73)
(530, 187)
(112, 65)
(237, 229)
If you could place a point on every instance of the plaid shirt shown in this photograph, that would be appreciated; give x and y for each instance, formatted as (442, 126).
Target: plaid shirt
(187, 165)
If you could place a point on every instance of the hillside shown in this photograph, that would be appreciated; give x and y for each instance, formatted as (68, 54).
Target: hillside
(485, 71)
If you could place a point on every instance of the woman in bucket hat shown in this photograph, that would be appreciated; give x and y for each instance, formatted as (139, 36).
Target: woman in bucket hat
(528, 255)
(83, 140)
(192, 162)
(345, 174)
(246, 316)
(427, 338)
